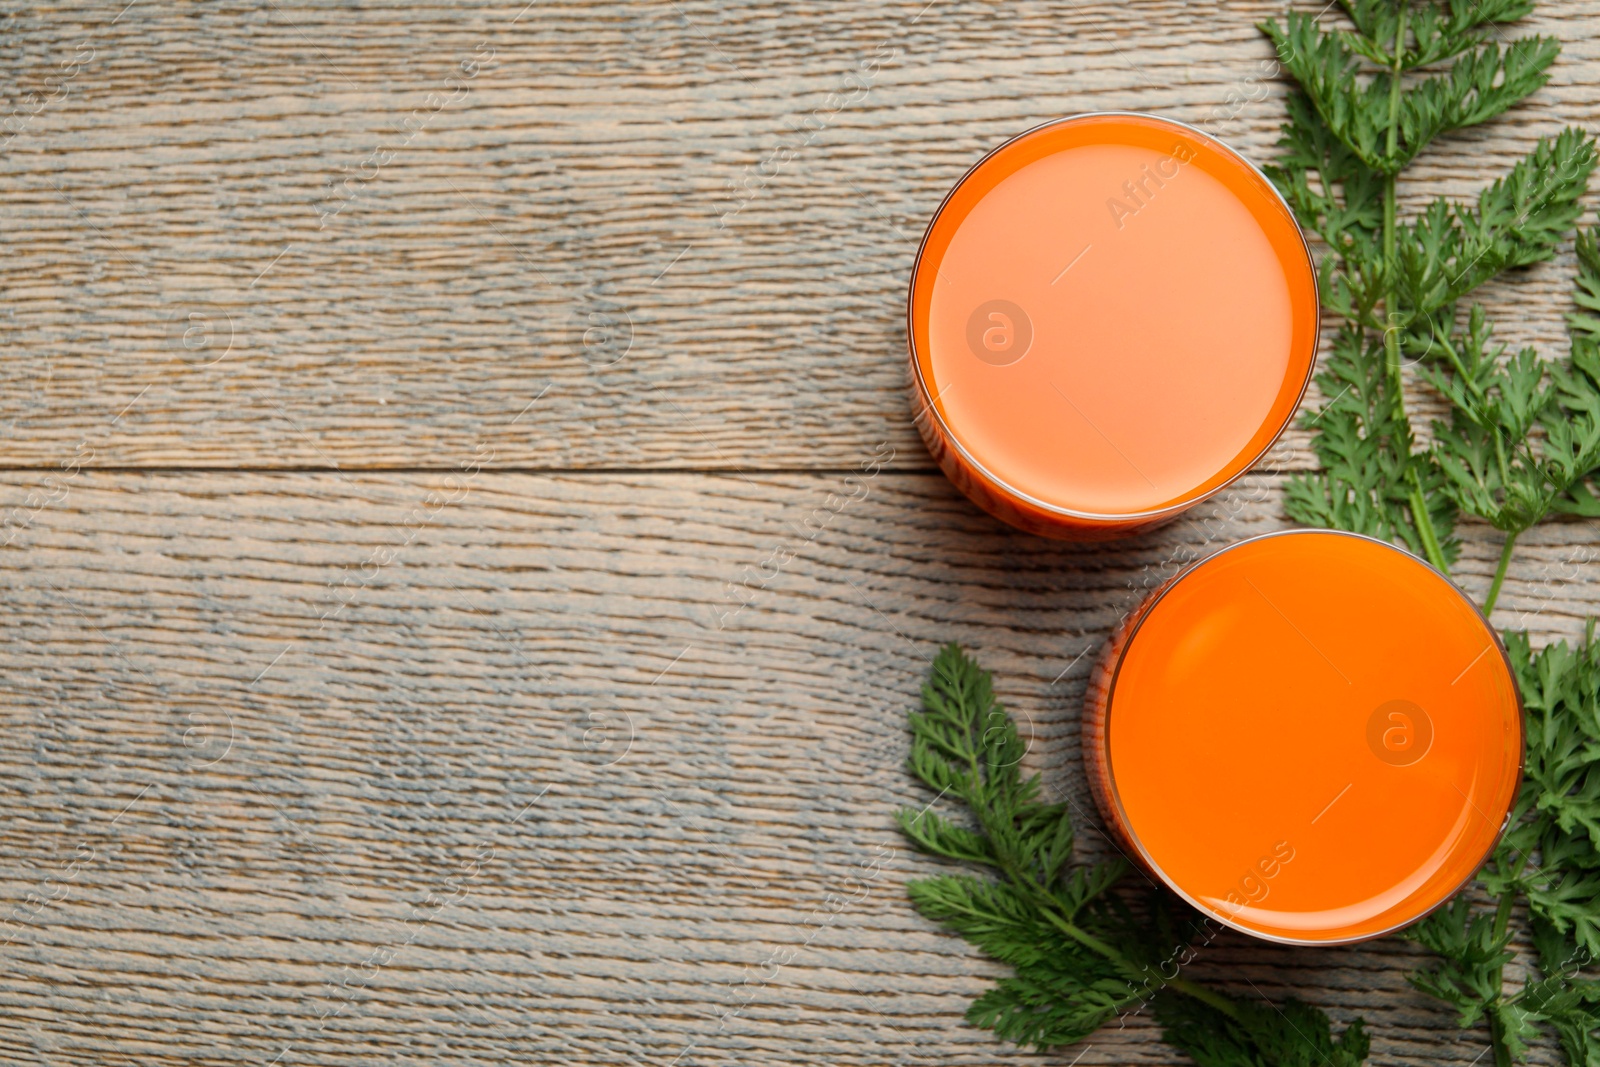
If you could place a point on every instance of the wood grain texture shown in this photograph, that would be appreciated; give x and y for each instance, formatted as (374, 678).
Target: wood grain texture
(539, 745)
(723, 199)
(246, 756)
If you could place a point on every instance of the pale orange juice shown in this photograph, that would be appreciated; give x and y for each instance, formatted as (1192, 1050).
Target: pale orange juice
(1111, 317)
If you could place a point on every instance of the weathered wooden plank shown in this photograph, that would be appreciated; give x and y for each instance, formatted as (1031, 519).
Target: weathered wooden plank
(723, 199)
(253, 765)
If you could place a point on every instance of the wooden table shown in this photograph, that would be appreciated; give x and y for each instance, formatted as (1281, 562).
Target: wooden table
(468, 558)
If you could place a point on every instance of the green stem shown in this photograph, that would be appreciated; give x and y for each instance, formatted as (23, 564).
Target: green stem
(1462, 376)
(1204, 996)
(1086, 939)
(1497, 1039)
(1500, 456)
(1391, 336)
(1502, 922)
(1153, 978)
(1480, 413)
(1502, 913)
(1500, 573)
(1397, 65)
(1391, 333)
(1430, 537)
(1391, 340)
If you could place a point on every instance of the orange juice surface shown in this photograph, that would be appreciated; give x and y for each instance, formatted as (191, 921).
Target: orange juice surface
(1111, 316)
(1311, 736)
